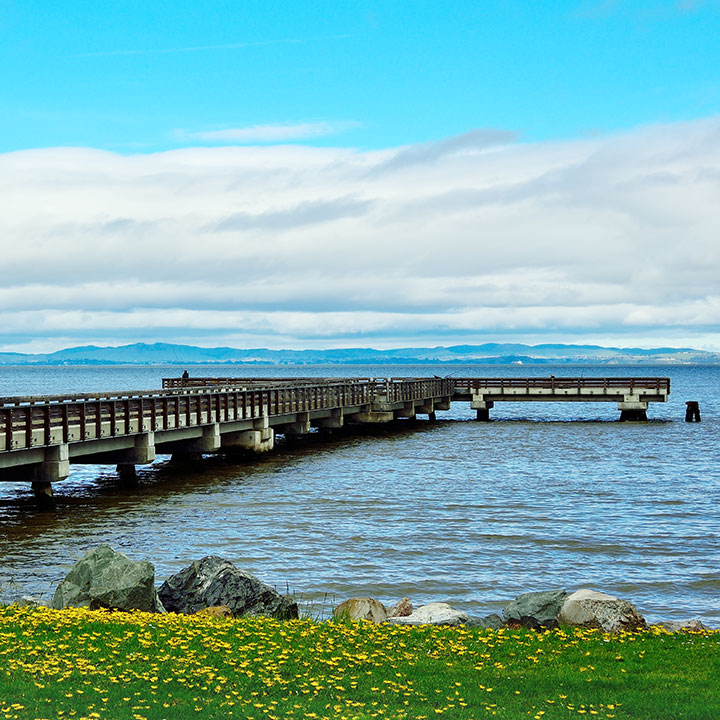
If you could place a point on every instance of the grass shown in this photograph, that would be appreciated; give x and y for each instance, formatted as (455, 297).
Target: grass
(95, 664)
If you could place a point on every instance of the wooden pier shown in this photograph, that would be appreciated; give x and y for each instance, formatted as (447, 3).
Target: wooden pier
(41, 436)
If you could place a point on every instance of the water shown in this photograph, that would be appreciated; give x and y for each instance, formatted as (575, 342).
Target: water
(549, 495)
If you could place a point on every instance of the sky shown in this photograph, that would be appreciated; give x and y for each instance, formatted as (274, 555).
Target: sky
(365, 173)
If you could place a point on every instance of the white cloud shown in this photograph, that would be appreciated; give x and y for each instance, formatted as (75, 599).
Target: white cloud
(425, 153)
(280, 133)
(462, 240)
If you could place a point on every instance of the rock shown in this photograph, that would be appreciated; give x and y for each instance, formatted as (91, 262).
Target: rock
(27, 601)
(535, 609)
(433, 614)
(693, 625)
(587, 608)
(103, 578)
(213, 581)
(361, 609)
(403, 608)
(488, 622)
(217, 611)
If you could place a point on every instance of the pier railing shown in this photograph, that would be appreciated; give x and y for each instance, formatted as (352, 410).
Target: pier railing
(239, 382)
(661, 385)
(37, 421)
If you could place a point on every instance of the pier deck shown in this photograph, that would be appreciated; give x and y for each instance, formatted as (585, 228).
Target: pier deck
(41, 436)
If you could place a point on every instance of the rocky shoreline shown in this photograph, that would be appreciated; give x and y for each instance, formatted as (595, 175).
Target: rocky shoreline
(105, 578)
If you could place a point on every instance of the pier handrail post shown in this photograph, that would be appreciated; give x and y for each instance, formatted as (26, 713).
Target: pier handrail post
(28, 426)
(65, 422)
(8, 428)
(46, 425)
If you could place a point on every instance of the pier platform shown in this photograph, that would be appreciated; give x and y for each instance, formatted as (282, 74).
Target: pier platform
(41, 436)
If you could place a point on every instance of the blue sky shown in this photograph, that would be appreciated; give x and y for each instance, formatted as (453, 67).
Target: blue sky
(140, 76)
(359, 173)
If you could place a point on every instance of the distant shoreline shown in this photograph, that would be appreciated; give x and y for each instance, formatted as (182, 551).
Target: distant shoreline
(488, 354)
(488, 362)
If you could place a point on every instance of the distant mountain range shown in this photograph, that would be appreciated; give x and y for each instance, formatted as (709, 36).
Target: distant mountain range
(489, 353)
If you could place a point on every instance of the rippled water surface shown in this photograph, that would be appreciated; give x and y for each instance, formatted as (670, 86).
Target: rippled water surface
(548, 495)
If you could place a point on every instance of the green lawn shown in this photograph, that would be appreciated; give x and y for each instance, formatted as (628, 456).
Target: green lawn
(94, 664)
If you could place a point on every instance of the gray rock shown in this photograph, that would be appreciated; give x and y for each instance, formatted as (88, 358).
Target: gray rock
(693, 625)
(587, 608)
(213, 581)
(488, 622)
(535, 609)
(27, 601)
(361, 609)
(103, 578)
(432, 614)
(402, 608)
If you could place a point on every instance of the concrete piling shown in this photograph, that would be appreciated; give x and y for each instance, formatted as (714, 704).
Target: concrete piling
(127, 474)
(44, 495)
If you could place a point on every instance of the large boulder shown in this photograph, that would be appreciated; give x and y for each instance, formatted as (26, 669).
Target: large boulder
(590, 609)
(213, 581)
(361, 609)
(437, 613)
(535, 609)
(104, 578)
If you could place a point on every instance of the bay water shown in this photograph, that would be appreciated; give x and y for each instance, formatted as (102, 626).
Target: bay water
(548, 495)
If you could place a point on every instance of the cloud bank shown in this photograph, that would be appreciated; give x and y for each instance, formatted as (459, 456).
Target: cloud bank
(470, 239)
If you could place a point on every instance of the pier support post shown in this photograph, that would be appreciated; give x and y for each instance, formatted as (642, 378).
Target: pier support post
(431, 416)
(407, 411)
(144, 449)
(191, 452)
(633, 415)
(192, 460)
(427, 408)
(632, 409)
(373, 416)
(301, 426)
(335, 421)
(208, 443)
(127, 474)
(482, 406)
(692, 411)
(44, 495)
(56, 465)
(260, 439)
(254, 440)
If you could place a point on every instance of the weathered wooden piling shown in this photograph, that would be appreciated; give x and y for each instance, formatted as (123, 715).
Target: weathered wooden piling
(692, 411)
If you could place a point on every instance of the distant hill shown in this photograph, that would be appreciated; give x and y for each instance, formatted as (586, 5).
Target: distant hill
(486, 354)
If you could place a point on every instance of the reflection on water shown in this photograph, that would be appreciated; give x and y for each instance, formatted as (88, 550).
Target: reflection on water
(472, 513)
